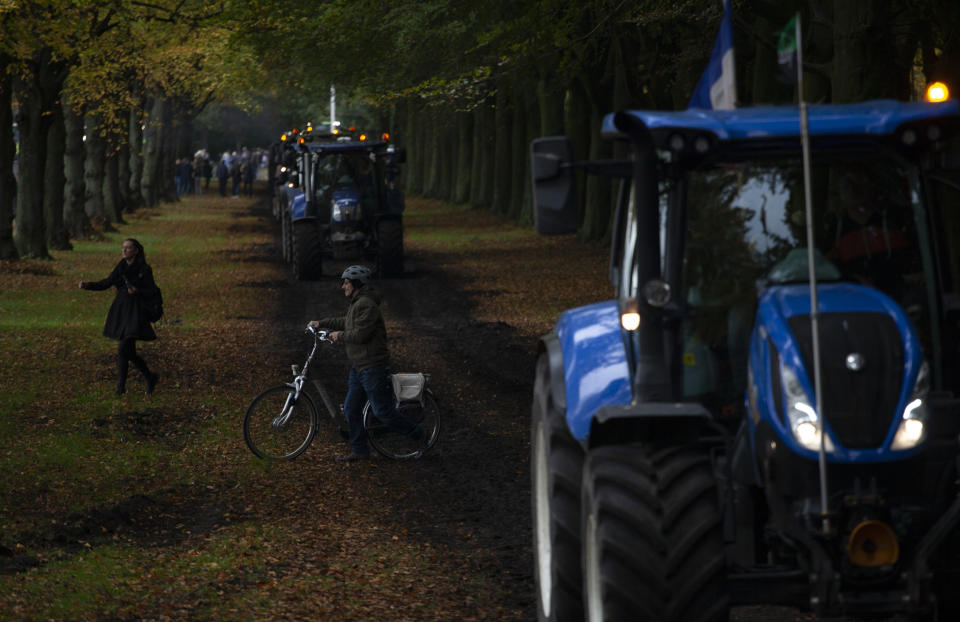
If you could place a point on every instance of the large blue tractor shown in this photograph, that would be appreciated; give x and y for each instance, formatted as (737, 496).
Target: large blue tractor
(708, 438)
(339, 197)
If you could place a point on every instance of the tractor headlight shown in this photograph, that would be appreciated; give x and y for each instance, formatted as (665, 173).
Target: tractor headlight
(913, 422)
(801, 416)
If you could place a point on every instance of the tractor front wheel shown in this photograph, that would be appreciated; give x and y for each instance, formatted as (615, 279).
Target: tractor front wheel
(286, 236)
(556, 460)
(652, 537)
(307, 251)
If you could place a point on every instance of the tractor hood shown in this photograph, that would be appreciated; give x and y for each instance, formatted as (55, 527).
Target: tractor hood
(870, 357)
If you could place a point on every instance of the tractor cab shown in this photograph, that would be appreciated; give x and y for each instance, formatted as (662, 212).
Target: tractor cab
(824, 397)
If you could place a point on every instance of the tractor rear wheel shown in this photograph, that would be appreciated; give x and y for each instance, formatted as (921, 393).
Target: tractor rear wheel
(390, 241)
(556, 460)
(286, 244)
(652, 536)
(307, 247)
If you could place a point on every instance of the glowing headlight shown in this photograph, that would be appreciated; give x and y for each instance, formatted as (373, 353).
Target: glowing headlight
(629, 314)
(630, 321)
(803, 419)
(913, 429)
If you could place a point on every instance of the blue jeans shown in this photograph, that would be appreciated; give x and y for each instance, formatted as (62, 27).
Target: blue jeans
(372, 384)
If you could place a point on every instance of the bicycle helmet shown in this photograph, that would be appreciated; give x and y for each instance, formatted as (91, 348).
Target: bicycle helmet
(357, 273)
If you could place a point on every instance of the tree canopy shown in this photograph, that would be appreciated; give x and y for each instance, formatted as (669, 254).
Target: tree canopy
(464, 84)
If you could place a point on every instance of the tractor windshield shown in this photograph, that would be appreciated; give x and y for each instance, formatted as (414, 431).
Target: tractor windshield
(348, 169)
(746, 230)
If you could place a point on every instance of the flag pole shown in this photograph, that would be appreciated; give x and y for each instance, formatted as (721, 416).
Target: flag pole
(812, 271)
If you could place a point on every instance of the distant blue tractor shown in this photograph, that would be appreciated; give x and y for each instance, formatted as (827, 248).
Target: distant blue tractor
(340, 198)
(682, 460)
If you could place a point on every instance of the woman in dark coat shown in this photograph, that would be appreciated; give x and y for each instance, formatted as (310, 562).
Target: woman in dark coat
(126, 321)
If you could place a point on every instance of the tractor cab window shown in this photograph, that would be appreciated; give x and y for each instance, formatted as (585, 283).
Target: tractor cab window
(624, 247)
(325, 179)
(349, 170)
(746, 230)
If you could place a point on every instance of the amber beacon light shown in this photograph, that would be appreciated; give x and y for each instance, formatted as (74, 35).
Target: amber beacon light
(937, 92)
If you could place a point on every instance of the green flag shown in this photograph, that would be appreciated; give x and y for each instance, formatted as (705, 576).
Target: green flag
(787, 51)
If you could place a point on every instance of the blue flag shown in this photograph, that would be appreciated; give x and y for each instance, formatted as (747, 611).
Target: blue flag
(717, 88)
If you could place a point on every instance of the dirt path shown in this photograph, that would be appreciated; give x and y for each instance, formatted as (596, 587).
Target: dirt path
(446, 537)
(467, 502)
(466, 318)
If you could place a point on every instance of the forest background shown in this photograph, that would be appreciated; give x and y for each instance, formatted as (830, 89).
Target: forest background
(99, 99)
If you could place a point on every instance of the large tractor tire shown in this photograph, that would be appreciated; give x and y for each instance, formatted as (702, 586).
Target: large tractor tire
(556, 461)
(286, 237)
(390, 242)
(652, 536)
(307, 251)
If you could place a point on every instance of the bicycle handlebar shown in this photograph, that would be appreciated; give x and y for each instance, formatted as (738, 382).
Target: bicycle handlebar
(319, 335)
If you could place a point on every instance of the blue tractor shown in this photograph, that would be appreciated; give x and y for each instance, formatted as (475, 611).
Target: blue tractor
(704, 440)
(339, 197)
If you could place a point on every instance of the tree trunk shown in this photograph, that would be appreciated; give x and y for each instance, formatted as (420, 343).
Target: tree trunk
(502, 177)
(149, 181)
(54, 178)
(123, 172)
(408, 141)
(112, 203)
(135, 142)
(431, 136)
(944, 67)
(95, 152)
(550, 103)
(871, 57)
(576, 110)
(447, 149)
(168, 156)
(8, 149)
(33, 121)
(596, 213)
(476, 157)
(519, 146)
(74, 213)
(462, 177)
(533, 130)
(482, 174)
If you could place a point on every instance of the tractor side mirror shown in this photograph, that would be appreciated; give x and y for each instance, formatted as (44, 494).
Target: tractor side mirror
(400, 155)
(554, 186)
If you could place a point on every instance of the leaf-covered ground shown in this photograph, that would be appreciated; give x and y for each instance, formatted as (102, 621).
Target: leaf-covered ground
(152, 508)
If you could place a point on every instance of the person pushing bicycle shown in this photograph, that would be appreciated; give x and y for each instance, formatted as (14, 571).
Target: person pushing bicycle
(364, 335)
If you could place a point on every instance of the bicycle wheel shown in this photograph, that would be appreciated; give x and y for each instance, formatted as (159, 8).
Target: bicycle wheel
(278, 427)
(396, 445)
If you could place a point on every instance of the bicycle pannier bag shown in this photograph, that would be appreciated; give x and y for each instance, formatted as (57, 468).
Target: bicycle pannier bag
(408, 387)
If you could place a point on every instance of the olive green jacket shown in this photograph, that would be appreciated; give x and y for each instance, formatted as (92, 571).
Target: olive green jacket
(364, 333)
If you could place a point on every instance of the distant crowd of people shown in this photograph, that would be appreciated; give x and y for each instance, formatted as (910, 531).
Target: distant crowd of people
(235, 171)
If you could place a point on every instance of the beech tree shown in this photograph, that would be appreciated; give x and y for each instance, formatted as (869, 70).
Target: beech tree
(464, 86)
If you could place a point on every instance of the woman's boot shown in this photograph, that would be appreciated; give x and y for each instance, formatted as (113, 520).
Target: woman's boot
(150, 377)
(121, 376)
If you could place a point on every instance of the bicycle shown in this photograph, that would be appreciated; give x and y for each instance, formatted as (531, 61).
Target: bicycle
(282, 421)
